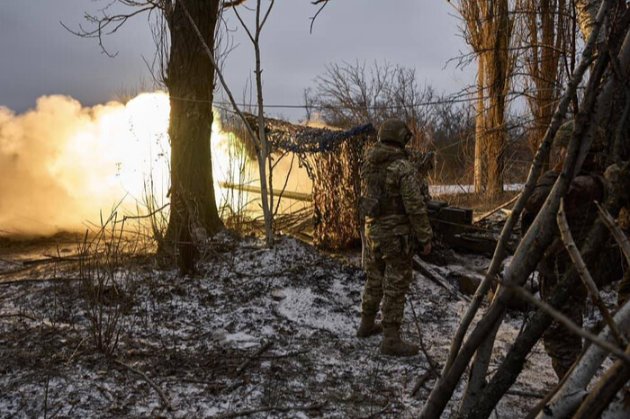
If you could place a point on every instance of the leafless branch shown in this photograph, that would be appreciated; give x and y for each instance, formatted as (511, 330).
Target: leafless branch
(233, 4)
(258, 353)
(165, 401)
(565, 321)
(538, 236)
(323, 3)
(108, 24)
(571, 390)
(266, 16)
(247, 31)
(585, 275)
(617, 233)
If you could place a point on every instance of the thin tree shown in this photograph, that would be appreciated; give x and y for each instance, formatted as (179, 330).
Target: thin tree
(263, 151)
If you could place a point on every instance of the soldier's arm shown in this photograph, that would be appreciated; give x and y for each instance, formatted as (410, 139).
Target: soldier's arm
(540, 192)
(583, 190)
(536, 200)
(414, 203)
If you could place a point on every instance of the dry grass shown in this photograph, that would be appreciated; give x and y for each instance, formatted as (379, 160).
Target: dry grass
(107, 283)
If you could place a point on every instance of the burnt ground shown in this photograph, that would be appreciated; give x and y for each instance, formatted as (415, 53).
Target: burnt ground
(258, 332)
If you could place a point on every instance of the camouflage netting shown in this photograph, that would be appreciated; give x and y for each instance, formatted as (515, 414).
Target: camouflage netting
(332, 160)
(336, 191)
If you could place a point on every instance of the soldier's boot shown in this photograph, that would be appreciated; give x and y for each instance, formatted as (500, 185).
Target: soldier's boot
(393, 345)
(368, 327)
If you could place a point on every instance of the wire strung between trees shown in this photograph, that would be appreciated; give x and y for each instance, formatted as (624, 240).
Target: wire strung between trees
(451, 99)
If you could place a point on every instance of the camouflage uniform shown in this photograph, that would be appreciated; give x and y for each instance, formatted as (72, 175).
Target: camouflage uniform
(389, 238)
(623, 290)
(618, 176)
(560, 344)
(389, 235)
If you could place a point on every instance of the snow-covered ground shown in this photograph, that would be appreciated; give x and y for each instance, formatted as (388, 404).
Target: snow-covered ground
(437, 190)
(262, 332)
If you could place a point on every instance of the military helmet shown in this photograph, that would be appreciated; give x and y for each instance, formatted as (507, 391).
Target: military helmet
(563, 137)
(394, 131)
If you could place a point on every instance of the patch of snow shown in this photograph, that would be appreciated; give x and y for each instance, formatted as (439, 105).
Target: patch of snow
(438, 190)
(199, 338)
(306, 308)
(241, 340)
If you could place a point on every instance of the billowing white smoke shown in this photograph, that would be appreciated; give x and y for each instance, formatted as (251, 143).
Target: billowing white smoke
(61, 163)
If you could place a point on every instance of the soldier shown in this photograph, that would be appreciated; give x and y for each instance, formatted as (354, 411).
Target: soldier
(618, 177)
(588, 186)
(395, 219)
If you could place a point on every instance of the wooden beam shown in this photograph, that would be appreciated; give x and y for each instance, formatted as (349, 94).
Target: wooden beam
(297, 196)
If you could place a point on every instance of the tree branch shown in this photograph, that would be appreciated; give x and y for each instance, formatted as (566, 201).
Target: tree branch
(323, 3)
(585, 275)
(566, 322)
(617, 233)
(564, 402)
(109, 24)
(234, 3)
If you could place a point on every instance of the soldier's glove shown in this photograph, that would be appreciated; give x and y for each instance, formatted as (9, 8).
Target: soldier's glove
(426, 249)
(424, 162)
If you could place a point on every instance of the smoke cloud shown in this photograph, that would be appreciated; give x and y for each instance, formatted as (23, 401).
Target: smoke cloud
(62, 163)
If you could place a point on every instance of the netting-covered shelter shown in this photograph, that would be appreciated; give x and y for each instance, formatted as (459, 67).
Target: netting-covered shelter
(332, 159)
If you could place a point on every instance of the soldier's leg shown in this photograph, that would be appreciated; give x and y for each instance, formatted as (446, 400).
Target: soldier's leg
(372, 291)
(374, 271)
(562, 346)
(398, 275)
(623, 292)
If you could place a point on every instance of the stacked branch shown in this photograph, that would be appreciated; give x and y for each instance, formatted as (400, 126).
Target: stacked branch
(595, 105)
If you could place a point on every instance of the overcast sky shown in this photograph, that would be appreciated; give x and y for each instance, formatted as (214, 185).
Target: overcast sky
(38, 57)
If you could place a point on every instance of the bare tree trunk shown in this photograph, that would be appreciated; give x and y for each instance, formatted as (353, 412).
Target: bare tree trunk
(489, 33)
(478, 370)
(586, 13)
(481, 162)
(573, 391)
(498, 74)
(603, 393)
(546, 23)
(190, 82)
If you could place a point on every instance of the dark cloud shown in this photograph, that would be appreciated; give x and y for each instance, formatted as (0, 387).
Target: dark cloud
(40, 57)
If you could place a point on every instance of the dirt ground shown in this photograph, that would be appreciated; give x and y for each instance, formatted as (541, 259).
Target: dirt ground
(258, 332)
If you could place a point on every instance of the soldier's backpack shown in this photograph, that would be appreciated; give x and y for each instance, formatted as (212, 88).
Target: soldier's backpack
(374, 200)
